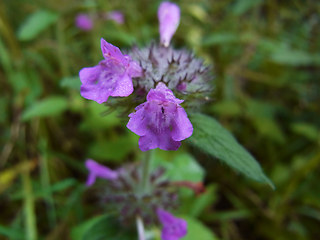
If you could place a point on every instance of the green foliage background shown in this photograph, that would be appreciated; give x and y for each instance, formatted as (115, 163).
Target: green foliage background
(266, 61)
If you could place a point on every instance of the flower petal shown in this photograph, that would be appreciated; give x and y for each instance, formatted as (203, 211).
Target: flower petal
(148, 142)
(107, 79)
(169, 18)
(165, 217)
(90, 74)
(97, 170)
(111, 52)
(167, 143)
(116, 16)
(138, 121)
(181, 125)
(162, 93)
(84, 22)
(124, 87)
(91, 84)
(134, 69)
(160, 122)
(93, 92)
(173, 228)
(162, 141)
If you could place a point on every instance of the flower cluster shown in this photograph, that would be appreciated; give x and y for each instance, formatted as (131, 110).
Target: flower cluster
(157, 72)
(122, 192)
(111, 77)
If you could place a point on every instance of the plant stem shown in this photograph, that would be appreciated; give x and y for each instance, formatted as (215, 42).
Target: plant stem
(30, 217)
(45, 182)
(64, 67)
(146, 167)
(140, 228)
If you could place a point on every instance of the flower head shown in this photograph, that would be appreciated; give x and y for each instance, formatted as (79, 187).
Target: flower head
(160, 122)
(111, 77)
(97, 170)
(84, 22)
(179, 69)
(121, 194)
(173, 228)
(169, 18)
(116, 16)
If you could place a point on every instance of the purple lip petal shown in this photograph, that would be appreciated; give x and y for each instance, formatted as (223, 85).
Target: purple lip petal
(160, 122)
(97, 170)
(173, 228)
(124, 87)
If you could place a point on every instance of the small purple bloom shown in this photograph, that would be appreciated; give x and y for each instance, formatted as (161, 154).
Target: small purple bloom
(160, 122)
(111, 77)
(173, 228)
(116, 16)
(97, 170)
(169, 18)
(84, 22)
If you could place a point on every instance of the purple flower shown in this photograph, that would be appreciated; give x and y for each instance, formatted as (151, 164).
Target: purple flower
(84, 22)
(173, 228)
(111, 77)
(169, 18)
(116, 16)
(160, 122)
(97, 170)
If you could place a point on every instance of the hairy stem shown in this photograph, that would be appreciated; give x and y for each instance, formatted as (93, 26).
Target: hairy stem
(146, 168)
(140, 228)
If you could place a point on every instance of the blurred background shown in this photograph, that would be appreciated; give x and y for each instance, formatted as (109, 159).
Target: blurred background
(266, 61)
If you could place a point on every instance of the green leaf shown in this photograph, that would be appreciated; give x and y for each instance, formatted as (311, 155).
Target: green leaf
(100, 228)
(242, 6)
(18, 81)
(71, 83)
(96, 120)
(40, 192)
(5, 59)
(11, 233)
(230, 215)
(293, 57)
(116, 35)
(189, 169)
(197, 230)
(219, 38)
(182, 167)
(262, 116)
(269, 128)
(114, 150)
(307, 130)
(197, 12)
(215, 140)
(51, 106)
(35, 24)
(260, 109)
(35, 87)
(196, 206)
(3, 109)
(310, 212)
(227, 108)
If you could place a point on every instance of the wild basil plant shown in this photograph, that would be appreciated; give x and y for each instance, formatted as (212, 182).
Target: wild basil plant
(157, 84)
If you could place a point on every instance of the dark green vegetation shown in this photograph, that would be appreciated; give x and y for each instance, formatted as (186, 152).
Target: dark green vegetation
(266, 58)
